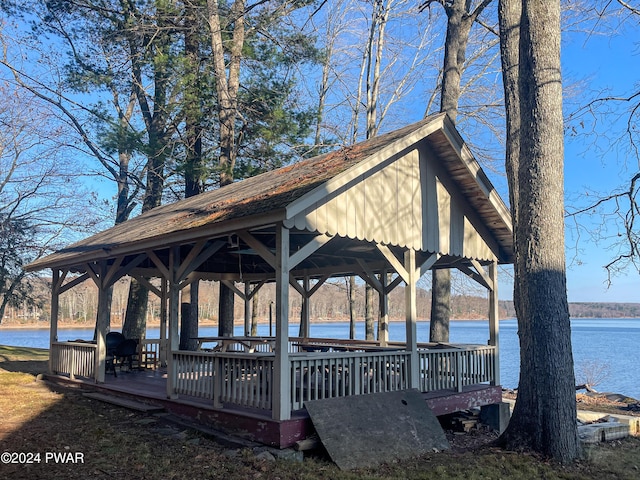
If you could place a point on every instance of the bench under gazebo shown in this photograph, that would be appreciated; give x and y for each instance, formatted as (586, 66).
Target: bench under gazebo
(388, 210)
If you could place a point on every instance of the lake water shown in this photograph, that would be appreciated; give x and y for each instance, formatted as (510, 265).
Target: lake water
(612, 344)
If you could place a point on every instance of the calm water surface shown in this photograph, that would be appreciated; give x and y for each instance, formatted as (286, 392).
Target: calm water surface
(614, 344)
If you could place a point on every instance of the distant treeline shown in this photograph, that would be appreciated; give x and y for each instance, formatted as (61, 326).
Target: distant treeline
(588, 310)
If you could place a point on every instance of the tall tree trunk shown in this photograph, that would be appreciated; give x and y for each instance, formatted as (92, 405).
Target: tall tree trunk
(544, 418)
(351, 293)
(227, 79)
(459, 24)
(369, 332)
(302, 329)
(155, 122)
(124, 203)
(255, 304)
(225, 311)
(509, 13)
(189, 319)
(440, 306)
(460, 19)
(227, 85)
(135, 324)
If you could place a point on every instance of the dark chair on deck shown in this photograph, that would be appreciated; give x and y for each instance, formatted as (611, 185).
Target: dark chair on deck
(113, 340)
(126, 352)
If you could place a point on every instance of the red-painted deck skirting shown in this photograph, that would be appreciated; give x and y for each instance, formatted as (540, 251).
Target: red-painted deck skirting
(447, 401)
(258, 426)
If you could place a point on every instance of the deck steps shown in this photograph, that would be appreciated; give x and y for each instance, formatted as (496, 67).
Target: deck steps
(124, 402)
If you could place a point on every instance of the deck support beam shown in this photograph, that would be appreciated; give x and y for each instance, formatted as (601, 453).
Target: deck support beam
(174, 309)
(494, 320)
(164, 294)
(103, 321)
(281, 373)
(56, 283)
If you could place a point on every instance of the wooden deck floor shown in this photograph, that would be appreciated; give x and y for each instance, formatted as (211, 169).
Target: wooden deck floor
(151, 384)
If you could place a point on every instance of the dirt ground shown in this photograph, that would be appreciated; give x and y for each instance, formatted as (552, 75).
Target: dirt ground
(614, 403)
(608, 403)
(116, 443)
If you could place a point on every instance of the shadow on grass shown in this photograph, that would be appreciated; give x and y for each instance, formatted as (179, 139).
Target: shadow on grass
(33, 367)
(24, 359)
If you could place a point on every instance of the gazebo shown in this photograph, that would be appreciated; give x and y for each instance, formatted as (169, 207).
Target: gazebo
(387, 210)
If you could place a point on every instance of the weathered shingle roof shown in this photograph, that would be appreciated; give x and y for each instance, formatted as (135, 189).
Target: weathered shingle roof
(262, 198)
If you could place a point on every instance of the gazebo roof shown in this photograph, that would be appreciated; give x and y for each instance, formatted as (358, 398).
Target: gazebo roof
(295, 194)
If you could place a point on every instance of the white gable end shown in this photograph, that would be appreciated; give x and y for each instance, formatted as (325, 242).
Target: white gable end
(398, 201)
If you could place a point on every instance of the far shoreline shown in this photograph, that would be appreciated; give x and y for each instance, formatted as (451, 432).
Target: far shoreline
(205, 323)
(239, 323)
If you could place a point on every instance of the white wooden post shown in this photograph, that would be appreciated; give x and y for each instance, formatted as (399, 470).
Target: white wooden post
(411, 311)
(494, 321)
(55, 308)
(174, 308)
(281, 370)
(102, 324)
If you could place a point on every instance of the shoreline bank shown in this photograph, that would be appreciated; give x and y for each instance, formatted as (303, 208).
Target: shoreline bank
(207, 323)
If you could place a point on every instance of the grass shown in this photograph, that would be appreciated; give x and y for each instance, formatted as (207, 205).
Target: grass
(116, 443)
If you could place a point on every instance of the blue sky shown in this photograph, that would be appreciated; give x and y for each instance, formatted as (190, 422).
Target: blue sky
(606, 66)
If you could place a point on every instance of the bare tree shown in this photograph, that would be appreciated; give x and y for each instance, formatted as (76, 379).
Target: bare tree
(351, 33)
(123, 48)
(590, 373)
(113, 152)
(461, 15)
(37, 193)
(369, 74)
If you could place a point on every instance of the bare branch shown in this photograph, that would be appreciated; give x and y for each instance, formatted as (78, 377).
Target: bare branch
(631, 8)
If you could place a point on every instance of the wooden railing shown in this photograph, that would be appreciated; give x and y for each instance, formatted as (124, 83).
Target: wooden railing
(73, 358)
(454, 368)
(341, 374)
(247, 379)
(193, 374)
(240, 379)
